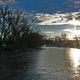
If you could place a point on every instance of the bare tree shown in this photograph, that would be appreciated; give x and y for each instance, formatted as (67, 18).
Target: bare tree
(15, 30)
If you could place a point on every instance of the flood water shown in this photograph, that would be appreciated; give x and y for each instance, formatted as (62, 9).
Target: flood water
(50, 63)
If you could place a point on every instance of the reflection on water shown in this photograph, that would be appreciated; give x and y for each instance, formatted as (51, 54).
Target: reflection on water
(74, 56)
(48, 63)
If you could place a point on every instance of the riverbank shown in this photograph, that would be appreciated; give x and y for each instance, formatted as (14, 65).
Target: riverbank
(66, 43)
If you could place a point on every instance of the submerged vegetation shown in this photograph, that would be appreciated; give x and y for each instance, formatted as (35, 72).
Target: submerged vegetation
(15, 31)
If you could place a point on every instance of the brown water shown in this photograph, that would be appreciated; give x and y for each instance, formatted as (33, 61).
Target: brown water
(50, 63)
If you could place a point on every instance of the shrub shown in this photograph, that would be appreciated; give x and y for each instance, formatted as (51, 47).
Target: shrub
(15, 31)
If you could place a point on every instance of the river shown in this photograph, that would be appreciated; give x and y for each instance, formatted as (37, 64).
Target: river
(49, 63)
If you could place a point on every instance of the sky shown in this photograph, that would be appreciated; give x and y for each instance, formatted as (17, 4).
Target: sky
(47, 6)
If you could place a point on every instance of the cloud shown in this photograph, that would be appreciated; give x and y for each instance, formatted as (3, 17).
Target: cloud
(76, 2)
(4, 1)
(48, 32)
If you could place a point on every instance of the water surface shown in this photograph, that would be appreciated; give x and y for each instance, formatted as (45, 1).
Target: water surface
(48, 63)
(51, 63)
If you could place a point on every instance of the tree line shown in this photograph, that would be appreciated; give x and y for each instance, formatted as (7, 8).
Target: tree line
(63, 41)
